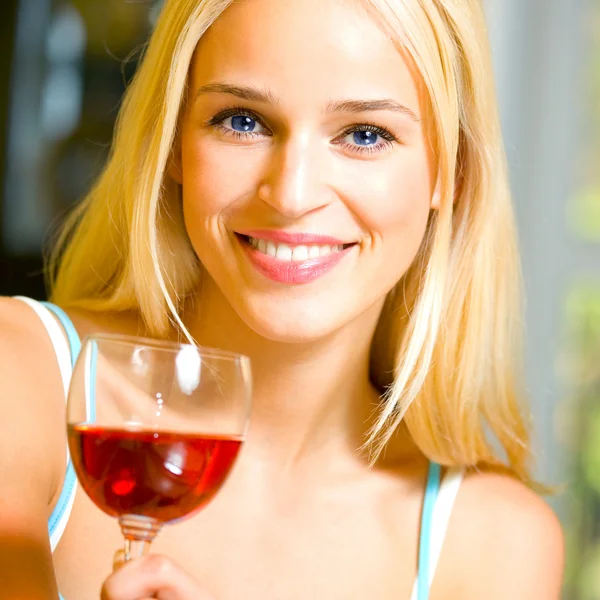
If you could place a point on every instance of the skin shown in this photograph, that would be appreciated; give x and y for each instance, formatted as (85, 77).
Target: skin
(315, 520)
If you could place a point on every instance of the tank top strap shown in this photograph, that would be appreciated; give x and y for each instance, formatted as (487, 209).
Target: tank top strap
(431, 494)
(66, 350)
(435, 517)
(75, 349)
(69, 328)
(62, 348)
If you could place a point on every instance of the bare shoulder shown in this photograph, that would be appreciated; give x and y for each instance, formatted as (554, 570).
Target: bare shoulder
(33, 397)
(32, 450)
(511, 541)
(16, 318)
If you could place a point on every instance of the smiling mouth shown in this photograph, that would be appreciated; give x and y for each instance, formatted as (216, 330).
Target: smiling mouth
(286, 252)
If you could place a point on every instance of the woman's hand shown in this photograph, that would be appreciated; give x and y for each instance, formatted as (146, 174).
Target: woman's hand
(152, 576)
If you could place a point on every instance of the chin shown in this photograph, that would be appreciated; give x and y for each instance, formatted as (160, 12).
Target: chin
(290, 324)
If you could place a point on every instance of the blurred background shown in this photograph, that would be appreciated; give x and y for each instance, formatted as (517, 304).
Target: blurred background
(65, 63)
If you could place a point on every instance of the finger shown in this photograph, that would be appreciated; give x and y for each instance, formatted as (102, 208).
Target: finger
(118, 559)
(152, 576)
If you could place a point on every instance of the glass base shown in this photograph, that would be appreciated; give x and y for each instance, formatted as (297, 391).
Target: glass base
(139, 532)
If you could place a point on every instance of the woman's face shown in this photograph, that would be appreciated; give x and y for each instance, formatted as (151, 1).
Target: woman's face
(306, 172)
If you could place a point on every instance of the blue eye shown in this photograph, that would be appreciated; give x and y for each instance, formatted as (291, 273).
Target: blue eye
(239, 123)
(243, 123)
(365, 138)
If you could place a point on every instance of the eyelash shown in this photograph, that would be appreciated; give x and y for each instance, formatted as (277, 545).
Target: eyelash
(388, 138)
(217, 121)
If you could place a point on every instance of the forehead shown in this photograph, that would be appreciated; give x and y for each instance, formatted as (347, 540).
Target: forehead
(305, 49)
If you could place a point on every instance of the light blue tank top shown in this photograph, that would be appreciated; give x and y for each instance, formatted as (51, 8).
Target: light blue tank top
(432, 490)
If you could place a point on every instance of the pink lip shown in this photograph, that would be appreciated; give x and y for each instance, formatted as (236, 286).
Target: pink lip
(285, 237)
(293, 272)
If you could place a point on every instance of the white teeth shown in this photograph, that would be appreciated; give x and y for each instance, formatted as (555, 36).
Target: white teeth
(300, 253)
(284, 252)
(313, 252)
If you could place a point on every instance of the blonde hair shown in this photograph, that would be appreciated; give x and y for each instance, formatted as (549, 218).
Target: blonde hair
(449, 333)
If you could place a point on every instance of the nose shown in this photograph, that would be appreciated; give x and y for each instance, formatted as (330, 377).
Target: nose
(294, 184)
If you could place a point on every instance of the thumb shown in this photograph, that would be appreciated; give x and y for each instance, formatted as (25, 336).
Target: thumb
(152, 576)
(118, 560)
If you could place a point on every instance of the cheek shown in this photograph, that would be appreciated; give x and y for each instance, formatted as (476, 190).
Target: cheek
(393, 200)
(216, 178)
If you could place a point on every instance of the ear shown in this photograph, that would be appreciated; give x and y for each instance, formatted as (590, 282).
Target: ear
(174, 167)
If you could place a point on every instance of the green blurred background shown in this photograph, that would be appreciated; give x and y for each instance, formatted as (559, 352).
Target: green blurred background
(65, 63)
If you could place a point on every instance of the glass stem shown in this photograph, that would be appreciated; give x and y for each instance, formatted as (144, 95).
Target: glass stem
(138, 533)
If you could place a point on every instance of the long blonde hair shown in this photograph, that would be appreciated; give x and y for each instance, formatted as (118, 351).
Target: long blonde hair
(449, 334)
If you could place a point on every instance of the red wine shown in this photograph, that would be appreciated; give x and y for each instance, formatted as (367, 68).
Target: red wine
(162, 475)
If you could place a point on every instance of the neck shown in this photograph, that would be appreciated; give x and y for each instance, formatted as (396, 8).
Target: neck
(308, 398)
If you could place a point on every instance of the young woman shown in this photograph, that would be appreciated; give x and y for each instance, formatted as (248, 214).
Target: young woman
(320, 185)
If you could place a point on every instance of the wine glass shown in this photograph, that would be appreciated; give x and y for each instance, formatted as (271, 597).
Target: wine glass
(154, 428)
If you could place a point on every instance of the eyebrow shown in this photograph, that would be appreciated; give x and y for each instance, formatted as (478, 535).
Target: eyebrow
(241, 91)
(254, 94)
(356, 106)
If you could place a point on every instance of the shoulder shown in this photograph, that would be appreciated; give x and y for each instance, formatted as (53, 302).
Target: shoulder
(16, 318)
(22, 336)
(33, 400)
(512, 511)
(24, 341)
(32, 450)
(511, 539)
